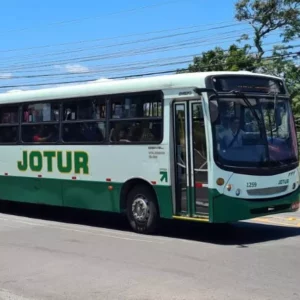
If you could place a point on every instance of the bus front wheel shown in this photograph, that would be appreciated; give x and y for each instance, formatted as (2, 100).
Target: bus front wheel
(142, 211)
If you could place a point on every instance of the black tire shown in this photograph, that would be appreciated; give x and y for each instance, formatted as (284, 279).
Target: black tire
(147, 223)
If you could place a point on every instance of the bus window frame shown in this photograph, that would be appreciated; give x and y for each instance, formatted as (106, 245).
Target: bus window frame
(23, 124)
(107, 120)
(111, 120)
(3, 125)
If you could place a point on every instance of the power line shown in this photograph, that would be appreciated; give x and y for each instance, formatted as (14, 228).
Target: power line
(160, 65)
(136, 66)
(39, 64)
(68, 51)
(107, 68)
(177, 45)
(59, 23)
(116, 37)
(121, 77)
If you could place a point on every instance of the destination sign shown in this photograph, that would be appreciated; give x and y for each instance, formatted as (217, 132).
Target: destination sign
(250, 84)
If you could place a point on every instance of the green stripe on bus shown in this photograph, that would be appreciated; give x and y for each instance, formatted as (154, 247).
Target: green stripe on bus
(74, 193)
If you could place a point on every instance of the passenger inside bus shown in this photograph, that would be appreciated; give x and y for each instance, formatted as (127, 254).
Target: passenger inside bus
(144, 131)
(9, 134)
(40, 135)
(233, 136)
(83, 132)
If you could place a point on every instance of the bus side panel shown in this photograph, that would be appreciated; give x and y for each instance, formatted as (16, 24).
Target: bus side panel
(164, 199)
(91, 195)
(31, 190)
(99, 196)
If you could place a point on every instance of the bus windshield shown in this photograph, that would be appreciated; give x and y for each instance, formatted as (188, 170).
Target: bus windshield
(258, 132)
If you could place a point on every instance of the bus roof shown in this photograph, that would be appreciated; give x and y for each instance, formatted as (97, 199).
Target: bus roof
(112, 86)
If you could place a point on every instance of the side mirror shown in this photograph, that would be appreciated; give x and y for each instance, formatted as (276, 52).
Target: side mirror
(213, 110)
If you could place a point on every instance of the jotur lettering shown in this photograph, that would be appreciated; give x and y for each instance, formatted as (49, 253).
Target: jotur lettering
(65, 162)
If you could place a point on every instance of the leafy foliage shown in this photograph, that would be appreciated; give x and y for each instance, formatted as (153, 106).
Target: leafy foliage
(281, 65)
(266, 16)
(218, 59)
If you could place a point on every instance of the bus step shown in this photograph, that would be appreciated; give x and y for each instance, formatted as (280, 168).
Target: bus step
(196, 218)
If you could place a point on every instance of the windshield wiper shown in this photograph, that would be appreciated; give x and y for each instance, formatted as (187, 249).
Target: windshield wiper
(259, 121)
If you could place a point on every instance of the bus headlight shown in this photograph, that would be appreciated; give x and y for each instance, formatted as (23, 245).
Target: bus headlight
(220, 181)
(238, 192)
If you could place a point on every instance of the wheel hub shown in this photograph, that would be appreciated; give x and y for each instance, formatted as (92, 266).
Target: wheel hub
(140, 209)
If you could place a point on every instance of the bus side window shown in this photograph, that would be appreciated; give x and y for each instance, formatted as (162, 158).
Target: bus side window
(84, 120)
(83, 132)
(9, 133)
(136, 118)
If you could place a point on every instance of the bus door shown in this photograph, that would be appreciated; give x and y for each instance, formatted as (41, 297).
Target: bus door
(190, 161)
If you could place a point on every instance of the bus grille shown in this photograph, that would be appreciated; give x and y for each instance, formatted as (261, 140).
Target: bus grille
(267, 191)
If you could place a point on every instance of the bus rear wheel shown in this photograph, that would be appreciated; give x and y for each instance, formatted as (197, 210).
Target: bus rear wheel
(142, 211)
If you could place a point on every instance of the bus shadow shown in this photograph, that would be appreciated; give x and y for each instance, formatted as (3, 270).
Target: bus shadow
(239, 234)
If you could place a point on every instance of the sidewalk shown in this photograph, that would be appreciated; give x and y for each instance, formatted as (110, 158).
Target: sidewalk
(286, 219)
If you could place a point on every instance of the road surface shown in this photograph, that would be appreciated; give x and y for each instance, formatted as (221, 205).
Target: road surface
(50, 255)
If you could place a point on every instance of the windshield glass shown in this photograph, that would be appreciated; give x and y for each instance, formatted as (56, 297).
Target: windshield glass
(255, 134)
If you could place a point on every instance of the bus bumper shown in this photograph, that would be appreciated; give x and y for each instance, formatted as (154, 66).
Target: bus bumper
(226, 209)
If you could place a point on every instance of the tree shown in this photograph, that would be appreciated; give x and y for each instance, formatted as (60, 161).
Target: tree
(282, 65)
(266, 16)
(218, 59)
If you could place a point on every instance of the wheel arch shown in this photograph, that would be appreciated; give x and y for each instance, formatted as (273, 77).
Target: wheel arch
(129, 185)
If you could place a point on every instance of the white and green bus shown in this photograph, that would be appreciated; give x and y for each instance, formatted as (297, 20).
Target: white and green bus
(216, 147)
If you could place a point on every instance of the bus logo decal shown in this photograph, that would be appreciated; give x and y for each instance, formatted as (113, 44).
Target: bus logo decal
(66, 161)
(163, 176)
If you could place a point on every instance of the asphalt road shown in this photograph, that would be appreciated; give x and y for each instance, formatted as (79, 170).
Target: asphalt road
(47, 254)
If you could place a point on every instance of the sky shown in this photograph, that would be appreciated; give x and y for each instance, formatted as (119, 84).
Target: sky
(85, 40)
